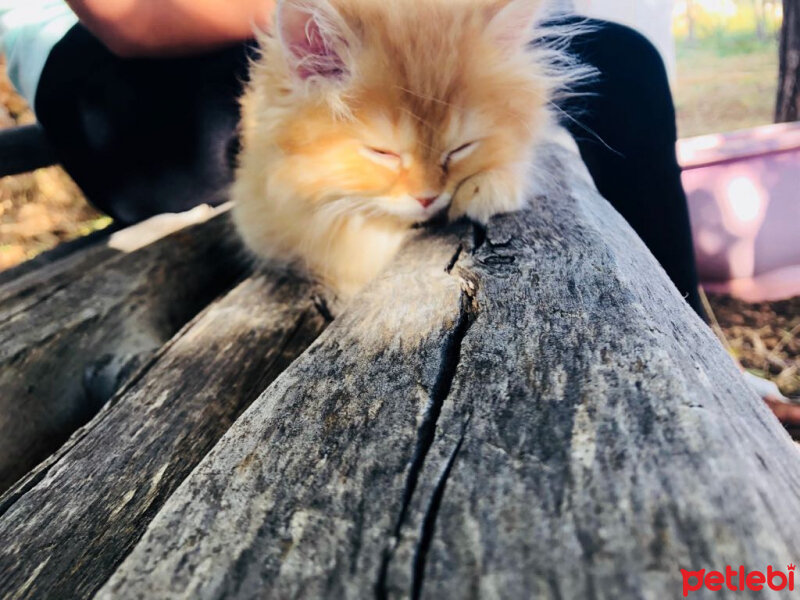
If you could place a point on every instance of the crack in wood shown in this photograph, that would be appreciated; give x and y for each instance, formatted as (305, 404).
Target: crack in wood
(22, 309)
(426, 433)
(323, 308)
(451, 265)
(479, 234)
(429, 521)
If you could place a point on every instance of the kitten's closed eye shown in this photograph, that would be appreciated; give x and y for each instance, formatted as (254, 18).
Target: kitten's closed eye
(461, 152)
(385, 158)
(393, 160)
(383, 152)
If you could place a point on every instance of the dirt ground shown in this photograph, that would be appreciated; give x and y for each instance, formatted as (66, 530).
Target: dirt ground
(764, 337)
(41, 209)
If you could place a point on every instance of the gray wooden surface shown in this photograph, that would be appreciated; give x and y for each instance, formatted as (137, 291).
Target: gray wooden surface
(73, 331)
(78, 515)
(528, 410)
(525, 411)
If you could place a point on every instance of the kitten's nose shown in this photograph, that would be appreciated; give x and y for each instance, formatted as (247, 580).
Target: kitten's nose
(426, 202)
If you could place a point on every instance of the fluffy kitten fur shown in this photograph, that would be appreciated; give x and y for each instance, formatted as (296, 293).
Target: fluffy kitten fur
(365, 117)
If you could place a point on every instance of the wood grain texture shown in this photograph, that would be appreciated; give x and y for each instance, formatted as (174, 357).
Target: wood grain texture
(525, 411)
(31, 282)
(71, 335)
(66, 527)
(60, 254)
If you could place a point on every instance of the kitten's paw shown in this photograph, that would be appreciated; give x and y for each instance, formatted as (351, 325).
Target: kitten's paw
(488, 194)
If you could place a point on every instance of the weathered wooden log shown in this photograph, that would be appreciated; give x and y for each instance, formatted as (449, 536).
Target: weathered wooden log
(59, 253)
(33, 281)
(65, 528)
(530, 411)
(74, 331)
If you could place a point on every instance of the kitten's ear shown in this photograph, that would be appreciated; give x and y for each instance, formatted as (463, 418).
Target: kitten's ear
(511, 22)
(314, 37)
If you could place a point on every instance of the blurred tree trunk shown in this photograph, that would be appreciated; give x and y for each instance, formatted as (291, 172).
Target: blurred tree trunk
(690, 19)
(788, 105)
(760, 12)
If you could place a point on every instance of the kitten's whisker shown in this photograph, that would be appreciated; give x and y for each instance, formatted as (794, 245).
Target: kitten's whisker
(424, 123)
(334, 210)
(423, 96)
(586, 129)
(415, 117)
(521, 121)
(421, 121)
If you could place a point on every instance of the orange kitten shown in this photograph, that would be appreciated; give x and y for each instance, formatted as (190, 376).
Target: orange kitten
(365, 117)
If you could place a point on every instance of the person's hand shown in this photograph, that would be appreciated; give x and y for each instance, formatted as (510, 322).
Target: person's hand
(134, 28)
(787, 413)
(784, 409)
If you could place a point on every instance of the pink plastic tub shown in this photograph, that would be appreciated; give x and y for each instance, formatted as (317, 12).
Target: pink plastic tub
(744, 200)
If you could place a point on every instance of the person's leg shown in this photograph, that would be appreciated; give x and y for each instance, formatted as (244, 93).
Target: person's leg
(628, 108)
(624, 124)
(142, 137)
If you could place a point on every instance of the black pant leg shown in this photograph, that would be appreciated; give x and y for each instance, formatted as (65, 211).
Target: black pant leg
(624, 124)
(142, 136)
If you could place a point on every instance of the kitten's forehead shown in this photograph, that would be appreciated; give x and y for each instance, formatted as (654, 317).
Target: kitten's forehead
(403, 131)
(432, 72)
(421, 49)
(427, 56)
(466, 124)
(437, 126)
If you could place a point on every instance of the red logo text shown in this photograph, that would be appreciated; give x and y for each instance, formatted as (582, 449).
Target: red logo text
(738, 580)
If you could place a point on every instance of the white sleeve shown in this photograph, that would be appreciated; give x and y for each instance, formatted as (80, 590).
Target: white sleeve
(28, 31)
